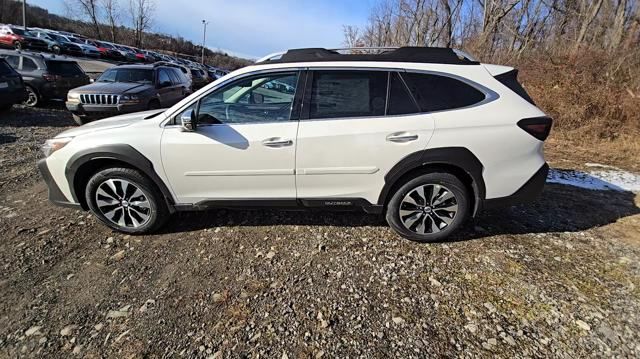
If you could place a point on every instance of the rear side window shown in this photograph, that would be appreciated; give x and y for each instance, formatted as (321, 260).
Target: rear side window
(13, 61)
(28, 64)
(348, 94)
(174, 77)
(400, 100)
(438, 93)
(64, 68)
(163, 77)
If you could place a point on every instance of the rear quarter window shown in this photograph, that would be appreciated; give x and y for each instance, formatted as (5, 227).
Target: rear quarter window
(438, 93)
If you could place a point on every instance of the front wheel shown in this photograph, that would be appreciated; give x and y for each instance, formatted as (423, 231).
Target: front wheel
(429, 207)
(56, 50)
(17, 45)
(126, 200)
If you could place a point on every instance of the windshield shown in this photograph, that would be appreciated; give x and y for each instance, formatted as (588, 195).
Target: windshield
(58, 38)
(104, 44)
(73, 39)
(143, 76)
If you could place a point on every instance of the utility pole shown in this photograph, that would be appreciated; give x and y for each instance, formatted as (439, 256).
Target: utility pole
(204, 37)
(24, 14)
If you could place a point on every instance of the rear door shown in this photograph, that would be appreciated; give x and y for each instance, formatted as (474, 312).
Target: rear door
(355, 126)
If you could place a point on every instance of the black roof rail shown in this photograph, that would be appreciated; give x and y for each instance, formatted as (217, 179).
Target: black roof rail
(437, 55)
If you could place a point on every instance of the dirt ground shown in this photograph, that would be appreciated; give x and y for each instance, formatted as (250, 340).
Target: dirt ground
(559, 277)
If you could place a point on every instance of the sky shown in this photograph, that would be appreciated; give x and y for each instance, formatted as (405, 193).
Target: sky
(252, 28)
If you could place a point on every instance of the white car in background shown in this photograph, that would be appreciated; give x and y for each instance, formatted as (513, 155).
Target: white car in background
(426, 136)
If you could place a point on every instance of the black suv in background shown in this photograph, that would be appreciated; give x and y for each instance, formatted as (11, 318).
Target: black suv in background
(46, 77)
(128, 88)
(11, 87)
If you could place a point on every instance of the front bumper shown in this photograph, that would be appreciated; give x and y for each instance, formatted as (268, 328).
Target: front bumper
(101, 111)
(55, 194)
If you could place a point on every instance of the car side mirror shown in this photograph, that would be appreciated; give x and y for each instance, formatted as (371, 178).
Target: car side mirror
(189, 121)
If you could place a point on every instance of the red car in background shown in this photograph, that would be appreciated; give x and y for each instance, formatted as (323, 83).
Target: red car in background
(19, 39)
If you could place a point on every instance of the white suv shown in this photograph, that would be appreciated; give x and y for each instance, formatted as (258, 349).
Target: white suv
(425, 136)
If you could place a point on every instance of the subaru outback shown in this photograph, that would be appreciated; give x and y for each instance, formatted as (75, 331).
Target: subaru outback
(427, 137)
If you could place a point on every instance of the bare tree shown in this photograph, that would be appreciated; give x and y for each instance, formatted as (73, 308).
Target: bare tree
(112, 15)
(86, 9)
(141, 12)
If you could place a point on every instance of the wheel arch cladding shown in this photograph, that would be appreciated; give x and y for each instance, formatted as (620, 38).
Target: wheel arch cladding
(85, 163)
(457, 160)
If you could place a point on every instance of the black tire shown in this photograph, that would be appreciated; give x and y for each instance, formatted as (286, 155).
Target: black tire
(33, 99)
(429, 214)
(56, 50)
(79, 120)
(157, 214)
(154, 105)
(17, 45)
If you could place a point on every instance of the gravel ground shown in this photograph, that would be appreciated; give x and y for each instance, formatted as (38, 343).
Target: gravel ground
(560, 277)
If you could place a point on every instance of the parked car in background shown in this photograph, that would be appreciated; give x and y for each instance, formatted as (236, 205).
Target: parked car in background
(68, 47)
(199, 78)
(107, 50)
(46, 77)
(12, 89)
(128, 54)
(87, 49)
(128, 88)
(53, 45)
(18, 38)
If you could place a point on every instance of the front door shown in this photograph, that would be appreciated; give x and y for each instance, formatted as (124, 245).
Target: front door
(244, 146)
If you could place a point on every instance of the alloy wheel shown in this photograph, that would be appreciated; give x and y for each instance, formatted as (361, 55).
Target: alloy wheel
(32, 97)
(428, 209)
(123, 203)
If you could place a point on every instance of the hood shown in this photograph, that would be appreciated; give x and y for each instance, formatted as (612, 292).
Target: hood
(112, 88)
(109, 123)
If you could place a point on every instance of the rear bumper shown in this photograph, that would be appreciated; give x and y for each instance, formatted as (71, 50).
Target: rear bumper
(55, 194)
(98, 111)
(527, 193)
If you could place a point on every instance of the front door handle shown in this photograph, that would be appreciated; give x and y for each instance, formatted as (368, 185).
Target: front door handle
(402, 137)
(277, 142)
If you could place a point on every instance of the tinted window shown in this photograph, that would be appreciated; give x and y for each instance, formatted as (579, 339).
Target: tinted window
(400, 101)
(181, 78)
(127, 75)
(264, 98)
(174, 77)
(348, 94)
(5, 69)
(28, 64)
(437, 93)
(64, 68)
(163, 76)
(13, 61)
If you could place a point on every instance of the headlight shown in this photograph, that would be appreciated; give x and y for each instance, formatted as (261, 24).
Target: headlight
(129, 99)
(73, 97)
(54, 144)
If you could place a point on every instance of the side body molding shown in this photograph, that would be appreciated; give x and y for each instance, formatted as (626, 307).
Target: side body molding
(459, 157)
(120, 152)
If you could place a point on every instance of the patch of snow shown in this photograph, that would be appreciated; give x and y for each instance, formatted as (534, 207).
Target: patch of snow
(610, 180)
(591, 164)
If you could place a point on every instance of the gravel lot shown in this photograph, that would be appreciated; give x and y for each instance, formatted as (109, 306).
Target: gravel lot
(560, 277)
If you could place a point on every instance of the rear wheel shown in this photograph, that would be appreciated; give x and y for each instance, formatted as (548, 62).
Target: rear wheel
(33, 99)
(429, 207)
(17, 45)
(126, 200)
(56, 50)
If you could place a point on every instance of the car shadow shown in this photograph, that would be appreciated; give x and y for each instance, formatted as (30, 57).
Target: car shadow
(560, 208)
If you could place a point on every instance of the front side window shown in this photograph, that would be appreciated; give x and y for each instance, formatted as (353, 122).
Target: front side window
(348, 94)
(258, 99)
(163, 77)
(438, 93)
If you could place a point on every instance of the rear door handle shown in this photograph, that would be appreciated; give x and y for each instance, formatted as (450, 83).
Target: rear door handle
(277, 142)
(400, 137)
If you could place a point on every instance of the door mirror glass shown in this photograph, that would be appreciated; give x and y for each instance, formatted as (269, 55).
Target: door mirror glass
(189, 121)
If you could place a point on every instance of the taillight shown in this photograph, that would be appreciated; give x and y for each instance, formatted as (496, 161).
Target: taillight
(51, 77)
(538, 127)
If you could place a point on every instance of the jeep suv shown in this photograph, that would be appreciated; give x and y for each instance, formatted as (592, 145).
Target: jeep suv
(46, 77)
(426, 136)
(128, 88)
